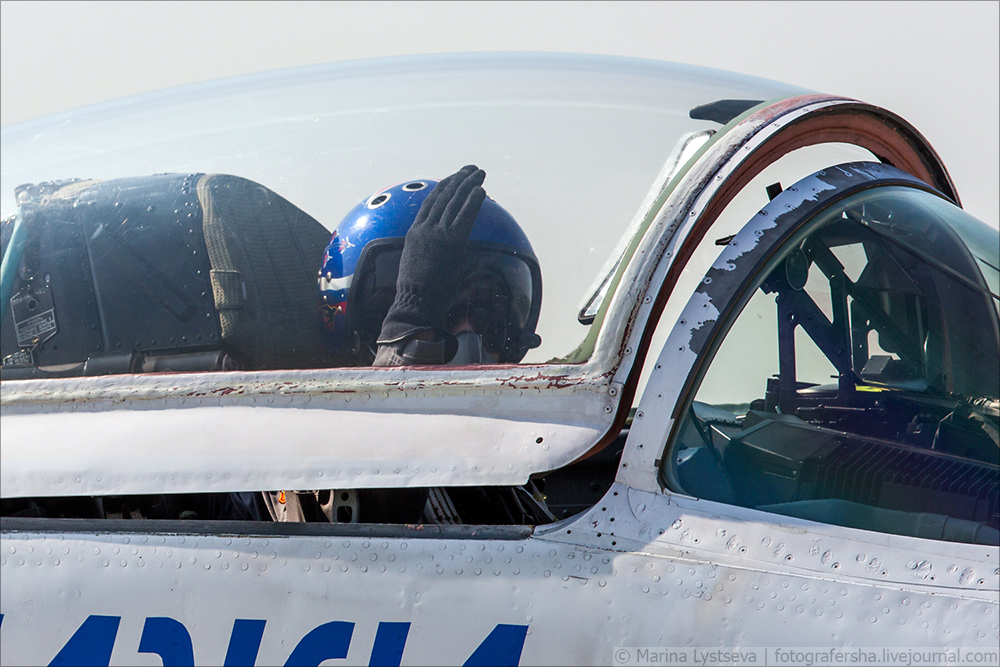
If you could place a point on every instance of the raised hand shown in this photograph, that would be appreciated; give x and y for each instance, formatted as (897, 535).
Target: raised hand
(431, 262)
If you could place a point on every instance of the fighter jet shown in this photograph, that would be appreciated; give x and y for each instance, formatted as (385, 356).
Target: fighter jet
(755, 418)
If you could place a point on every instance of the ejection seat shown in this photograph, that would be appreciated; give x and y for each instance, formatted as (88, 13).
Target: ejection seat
(171, 272)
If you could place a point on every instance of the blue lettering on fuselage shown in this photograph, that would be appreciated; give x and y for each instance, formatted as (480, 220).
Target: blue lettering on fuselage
(94, 641)
(389, 642)
(502, 647)
(91, 644)
(330, 640)
(168, 639)
(244, 642)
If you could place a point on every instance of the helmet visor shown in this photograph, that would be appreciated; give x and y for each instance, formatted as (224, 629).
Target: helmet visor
(374, 290)
(494, 297)
(493, 300)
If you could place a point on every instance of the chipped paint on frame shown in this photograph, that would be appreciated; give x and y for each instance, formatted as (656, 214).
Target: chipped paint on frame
(522, 395)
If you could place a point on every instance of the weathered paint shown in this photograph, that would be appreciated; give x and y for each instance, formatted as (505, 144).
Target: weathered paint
(688, 342)
(719, 170)
(639, 569)
(572, 402)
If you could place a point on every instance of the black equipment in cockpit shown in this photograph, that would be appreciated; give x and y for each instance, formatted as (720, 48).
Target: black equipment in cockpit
(172, 272)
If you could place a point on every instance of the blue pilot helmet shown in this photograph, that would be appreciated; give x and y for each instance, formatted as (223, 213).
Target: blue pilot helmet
(500, 293)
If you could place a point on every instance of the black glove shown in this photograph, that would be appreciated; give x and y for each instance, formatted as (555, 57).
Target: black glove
(431, 263)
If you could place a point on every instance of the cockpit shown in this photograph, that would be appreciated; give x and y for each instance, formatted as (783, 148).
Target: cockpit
(166, 264)
(857, 382)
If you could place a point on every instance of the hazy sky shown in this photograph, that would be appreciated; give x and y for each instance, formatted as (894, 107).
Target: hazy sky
(935, 64)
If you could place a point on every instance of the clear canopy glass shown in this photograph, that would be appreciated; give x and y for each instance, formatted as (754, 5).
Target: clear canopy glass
(859, 384)
(570, 145)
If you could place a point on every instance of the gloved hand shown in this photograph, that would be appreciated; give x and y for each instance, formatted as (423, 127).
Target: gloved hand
(431, 262)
